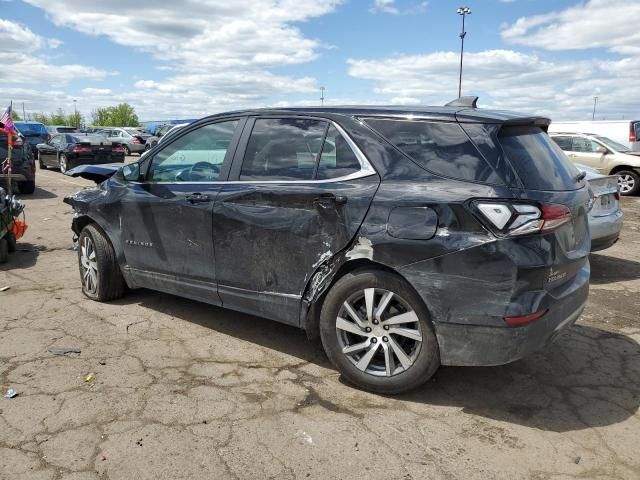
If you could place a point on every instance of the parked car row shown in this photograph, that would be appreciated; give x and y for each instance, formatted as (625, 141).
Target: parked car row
(68, 150)
(160, 133)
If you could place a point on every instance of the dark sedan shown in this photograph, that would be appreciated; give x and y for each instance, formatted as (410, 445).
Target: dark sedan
(68, 150)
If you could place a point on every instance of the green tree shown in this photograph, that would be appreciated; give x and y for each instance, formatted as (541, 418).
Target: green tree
(123, 115)
(58, 118)
(42, 118)
(14, 116)
(100, 116)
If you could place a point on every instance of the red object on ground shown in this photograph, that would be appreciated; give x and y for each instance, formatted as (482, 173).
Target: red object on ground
(18, 227)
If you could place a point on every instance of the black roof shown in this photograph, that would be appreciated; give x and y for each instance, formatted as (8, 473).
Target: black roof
(460, 114)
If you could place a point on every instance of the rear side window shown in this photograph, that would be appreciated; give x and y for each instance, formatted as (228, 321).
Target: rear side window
(337, 159)
(538, 161)
(283, 149)
(442, 148)
(636, 126)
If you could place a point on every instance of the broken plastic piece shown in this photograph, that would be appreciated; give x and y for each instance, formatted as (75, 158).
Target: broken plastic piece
(11, 393)
(89, 377)
(63, 350)
(4, 289)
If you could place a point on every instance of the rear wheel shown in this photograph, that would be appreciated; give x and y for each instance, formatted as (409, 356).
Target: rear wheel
(100, 273)
(4, 250)
(64, 163)
(377, 332)
(11, 242)
(629, 182)
(27, 187)
(127, 151)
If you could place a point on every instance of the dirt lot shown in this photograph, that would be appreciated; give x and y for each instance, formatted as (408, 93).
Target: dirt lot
(185, 390)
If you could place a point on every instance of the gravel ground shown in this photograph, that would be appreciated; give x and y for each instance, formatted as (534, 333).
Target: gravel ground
(184, 390)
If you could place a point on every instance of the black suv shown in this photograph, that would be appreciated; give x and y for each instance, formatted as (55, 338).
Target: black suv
(405, 238)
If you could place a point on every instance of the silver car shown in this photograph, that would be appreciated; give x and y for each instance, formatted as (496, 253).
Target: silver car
(132, 138)
(605, 217)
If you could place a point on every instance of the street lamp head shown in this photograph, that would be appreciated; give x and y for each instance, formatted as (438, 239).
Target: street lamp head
(464, 11)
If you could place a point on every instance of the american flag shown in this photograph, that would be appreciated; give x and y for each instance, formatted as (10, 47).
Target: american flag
(7, 120)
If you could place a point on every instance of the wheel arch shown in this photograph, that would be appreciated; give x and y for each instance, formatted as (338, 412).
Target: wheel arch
(316, 291)
(621, 168)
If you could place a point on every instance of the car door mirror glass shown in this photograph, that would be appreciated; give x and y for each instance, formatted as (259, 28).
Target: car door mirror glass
(131, 172)
(602, 150)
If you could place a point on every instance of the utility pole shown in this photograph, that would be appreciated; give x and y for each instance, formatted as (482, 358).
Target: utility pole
(322, 96)
(595, 103)
(24, 115)
(463, 12)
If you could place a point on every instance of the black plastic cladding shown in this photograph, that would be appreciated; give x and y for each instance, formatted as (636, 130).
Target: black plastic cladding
(276, 252)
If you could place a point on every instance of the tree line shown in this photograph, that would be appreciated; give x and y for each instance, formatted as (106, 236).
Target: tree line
(121, 115)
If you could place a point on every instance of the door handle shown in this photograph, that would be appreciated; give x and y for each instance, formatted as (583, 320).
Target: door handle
(329, 201)
(197, 198)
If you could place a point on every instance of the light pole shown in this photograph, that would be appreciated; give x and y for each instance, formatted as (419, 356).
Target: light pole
(595, 103)
(75, 110)
(463, 12)
(322, 96)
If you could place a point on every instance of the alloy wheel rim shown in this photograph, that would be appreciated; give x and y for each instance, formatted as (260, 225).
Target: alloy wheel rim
(379, 332)
(89, 265)
(626, 182)
(63, 163)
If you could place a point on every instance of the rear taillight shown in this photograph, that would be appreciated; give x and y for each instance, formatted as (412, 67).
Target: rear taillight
(118, 149)
(632, 133)
(48, 137)
(524, 319)
(514, 219)
(136, 140)
(17, 142)
(81, 149)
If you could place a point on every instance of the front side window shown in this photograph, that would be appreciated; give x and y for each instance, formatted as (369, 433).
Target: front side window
(283, 149)
(563, 142)
(194, 157)
(584, 145)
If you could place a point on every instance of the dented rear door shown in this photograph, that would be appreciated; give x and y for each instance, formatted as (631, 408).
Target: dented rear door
(275, 226)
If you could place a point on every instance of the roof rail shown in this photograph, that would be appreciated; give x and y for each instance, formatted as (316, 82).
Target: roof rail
(470, 102)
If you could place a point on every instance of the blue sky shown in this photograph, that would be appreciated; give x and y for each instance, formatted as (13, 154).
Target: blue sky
(191, 58)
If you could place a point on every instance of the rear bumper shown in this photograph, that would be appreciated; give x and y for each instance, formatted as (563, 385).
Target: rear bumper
(605, 230)
(136, 147)
(481, 345)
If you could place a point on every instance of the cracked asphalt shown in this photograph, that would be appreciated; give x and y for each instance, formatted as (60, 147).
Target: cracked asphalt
(181, 389)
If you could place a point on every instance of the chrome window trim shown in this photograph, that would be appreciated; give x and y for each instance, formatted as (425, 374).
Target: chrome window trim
(366, 170)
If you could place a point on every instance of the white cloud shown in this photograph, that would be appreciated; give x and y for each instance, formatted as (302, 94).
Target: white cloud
(18, 48)
(217, 54)
(507, 79)
(605, 24)
(390, 6)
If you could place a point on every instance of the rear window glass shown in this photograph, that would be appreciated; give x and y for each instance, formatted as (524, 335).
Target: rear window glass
(66, 129)
(538, 161)
(31, 128)
(637, 128)
(442, 148)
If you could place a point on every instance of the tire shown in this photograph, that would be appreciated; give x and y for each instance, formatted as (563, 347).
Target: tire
(28, 187)
(11, 242)
(127, 151)
(41, 163)
(4, 250)
(64, 163)
(629, 182)
(385, 370)
(100, 273)
(147, 147)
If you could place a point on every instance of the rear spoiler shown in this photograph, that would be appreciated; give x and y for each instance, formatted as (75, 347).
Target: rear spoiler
(97, 173)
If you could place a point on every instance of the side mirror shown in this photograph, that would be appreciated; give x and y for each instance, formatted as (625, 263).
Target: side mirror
(602, 150)
(131, 172)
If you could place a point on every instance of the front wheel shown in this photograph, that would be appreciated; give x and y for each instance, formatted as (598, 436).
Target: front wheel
(629, 182)
(100, 273)
(376, 330)
(41, 163)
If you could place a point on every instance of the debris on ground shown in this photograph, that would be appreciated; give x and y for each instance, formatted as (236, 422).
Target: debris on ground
(63, 350)
(4, 289)
(11, 393)
(305, 437)
(89, 377)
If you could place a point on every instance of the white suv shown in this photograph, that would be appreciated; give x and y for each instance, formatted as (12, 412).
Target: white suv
(605, 155)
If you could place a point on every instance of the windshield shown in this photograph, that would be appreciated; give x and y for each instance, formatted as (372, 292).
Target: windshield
(539, 162)
(618, 147)
(29, 129)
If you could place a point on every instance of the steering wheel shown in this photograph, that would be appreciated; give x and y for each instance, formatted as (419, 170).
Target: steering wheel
(196, 172)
